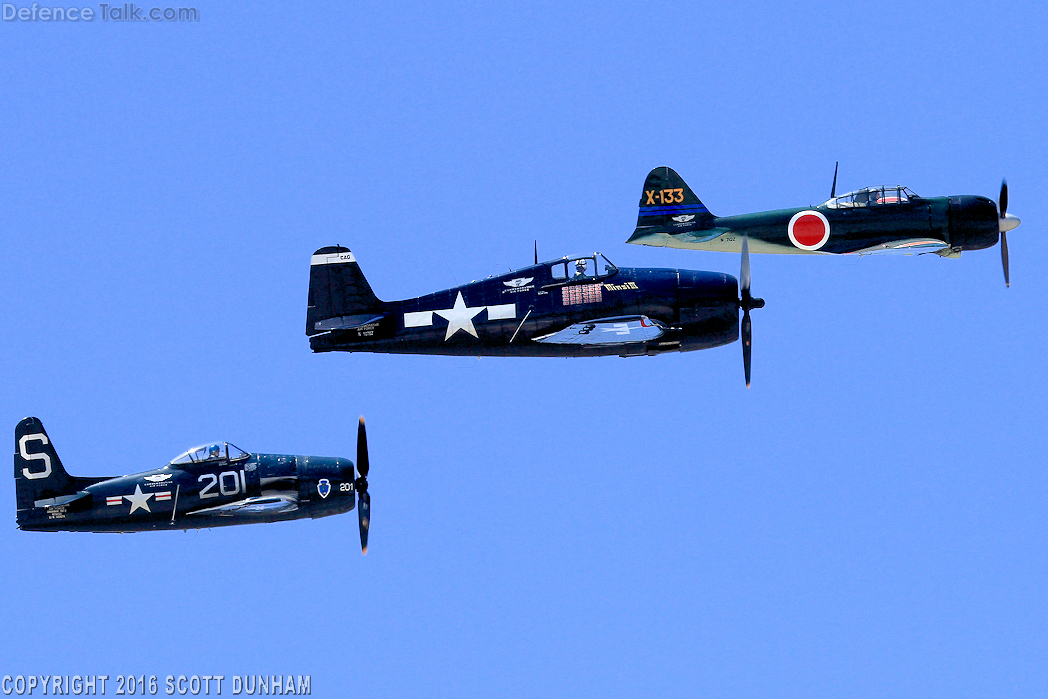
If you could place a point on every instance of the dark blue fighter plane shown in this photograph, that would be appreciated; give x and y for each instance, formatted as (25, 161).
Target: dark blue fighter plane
(580, 306)
(213, 485)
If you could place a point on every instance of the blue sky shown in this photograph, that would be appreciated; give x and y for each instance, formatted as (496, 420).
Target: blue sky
(868, 520)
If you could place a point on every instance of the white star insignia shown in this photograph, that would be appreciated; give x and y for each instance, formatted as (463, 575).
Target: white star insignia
(139, 500)
(460, 317)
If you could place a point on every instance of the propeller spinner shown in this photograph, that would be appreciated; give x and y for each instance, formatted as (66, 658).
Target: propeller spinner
(746, 303)
(361, 486)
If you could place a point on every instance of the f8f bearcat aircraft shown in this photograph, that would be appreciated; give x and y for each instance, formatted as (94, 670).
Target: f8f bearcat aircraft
(870, 220)
(582, 306)
(213, 485)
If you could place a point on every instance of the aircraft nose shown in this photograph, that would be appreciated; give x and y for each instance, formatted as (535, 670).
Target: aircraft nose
(711, 284)
(1008, 222)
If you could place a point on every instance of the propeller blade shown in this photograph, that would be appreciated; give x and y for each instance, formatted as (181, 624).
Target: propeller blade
(1004, 257)
(747, 343)
(362, 449)
(1002, 204)
(744, 275)
(746, 303)
(361, 486)
(364, 519)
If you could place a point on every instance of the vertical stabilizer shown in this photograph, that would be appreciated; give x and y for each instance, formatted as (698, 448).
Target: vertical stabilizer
(39, 474)
(668, 206)
(339, 295)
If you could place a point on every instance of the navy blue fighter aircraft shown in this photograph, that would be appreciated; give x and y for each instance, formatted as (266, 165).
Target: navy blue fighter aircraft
(581, 306)
(213, 485)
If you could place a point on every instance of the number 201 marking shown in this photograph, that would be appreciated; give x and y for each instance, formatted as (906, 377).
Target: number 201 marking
(238, 485)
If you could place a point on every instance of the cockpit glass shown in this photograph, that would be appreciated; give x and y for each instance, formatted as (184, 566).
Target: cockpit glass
(581, 268)
(872, 196)
(215, 451)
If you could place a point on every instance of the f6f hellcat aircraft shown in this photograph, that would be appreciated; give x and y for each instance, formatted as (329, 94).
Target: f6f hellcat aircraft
(581, 306)
(870, 220)
(213, 485)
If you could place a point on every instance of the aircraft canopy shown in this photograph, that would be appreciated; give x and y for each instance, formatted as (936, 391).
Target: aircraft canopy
(578, 267)
(216, 451)
(872, 196)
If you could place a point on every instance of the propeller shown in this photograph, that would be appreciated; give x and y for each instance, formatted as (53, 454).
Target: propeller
(1002, 203)
(361, 486)
(746, 303)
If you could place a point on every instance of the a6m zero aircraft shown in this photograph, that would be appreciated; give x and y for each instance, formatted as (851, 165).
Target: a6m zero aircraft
(213, 485)
(874, 219)
(572, 307)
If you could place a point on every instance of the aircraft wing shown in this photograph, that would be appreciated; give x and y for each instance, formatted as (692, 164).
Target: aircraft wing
(265, 504)
(909, 246)
(621, 330)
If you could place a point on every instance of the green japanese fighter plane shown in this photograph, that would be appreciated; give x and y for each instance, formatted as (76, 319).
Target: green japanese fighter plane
(869, 220)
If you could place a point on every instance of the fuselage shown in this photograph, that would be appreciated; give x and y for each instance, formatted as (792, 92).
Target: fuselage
(946, 225)
(210, 493)
(509, 314)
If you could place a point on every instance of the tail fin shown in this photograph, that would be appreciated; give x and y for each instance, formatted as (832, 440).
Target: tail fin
(339, 295)
(667, 205)
(39, 474)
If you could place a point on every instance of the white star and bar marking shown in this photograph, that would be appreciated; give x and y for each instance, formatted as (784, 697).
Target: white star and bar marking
(460, 316)
(139, 500)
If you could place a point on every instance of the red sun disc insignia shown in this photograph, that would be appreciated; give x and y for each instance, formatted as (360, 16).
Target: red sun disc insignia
(809, 230)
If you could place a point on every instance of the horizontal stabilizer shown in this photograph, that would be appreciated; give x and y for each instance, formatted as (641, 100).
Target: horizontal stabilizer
(61, 500)
(348, 322)
(604, 332)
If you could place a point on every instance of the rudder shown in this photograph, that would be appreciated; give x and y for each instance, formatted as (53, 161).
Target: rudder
(339, 295)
